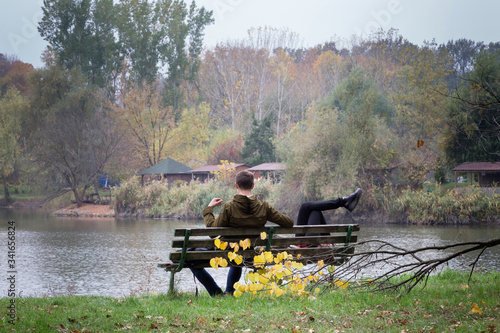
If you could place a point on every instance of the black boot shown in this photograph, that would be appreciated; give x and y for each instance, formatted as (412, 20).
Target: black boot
(352, 199)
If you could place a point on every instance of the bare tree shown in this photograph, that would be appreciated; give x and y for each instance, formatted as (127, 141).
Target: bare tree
(75, 136)
(75, 150)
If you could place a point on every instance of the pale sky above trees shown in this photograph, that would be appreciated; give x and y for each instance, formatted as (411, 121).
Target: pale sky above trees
(315, 21)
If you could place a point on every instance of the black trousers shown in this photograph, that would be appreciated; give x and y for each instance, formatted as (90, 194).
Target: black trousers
(311, 212)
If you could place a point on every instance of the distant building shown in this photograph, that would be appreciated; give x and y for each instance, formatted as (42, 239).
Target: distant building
(169, 170)
(207, 172)
(270, 171)
(488, 173)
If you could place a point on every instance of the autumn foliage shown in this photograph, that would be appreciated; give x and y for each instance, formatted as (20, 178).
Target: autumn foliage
(372, 112)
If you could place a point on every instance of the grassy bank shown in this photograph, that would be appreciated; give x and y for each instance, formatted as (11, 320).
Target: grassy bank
(447, 303)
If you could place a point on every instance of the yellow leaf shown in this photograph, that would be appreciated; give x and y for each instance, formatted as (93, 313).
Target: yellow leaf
(219, 244)
(341, 284)
(263, 279)
(255, 287)
(253, 277)
(298, 256)
(259, 261)
(237, 293)
(245, 244)
(236, 257)
(331, 269)
(223, 262)
(269, 257)
(213, 263)
(263, 235)
(278, 292)
(321, 263)
(476, 309)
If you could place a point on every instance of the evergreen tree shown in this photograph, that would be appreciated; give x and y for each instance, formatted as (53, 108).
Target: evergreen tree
(259, 147)
(473, 132)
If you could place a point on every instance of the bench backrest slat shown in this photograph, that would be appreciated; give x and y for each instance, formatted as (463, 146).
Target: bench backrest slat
(315, 252)
(213, 232)
(278, 242)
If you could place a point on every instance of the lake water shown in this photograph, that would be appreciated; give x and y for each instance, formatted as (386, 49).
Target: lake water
(118, 257)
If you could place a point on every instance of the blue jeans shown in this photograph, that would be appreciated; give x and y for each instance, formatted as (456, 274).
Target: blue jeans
(209, 283)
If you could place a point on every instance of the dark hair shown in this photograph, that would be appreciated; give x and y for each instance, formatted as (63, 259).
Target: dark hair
(244, 179)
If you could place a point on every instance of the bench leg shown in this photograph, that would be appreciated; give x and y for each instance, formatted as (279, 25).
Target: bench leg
(172, 280)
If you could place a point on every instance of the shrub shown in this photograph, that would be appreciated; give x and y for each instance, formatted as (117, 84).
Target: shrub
(181, 199)
(464, 205)
(129, 197)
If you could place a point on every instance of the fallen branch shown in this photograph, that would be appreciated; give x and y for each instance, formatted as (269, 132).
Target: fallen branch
(408, 266)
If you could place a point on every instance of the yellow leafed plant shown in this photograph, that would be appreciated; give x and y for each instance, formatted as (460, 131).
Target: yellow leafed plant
(274, 274)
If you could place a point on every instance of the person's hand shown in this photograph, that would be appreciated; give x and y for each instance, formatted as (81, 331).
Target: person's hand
(215, 202)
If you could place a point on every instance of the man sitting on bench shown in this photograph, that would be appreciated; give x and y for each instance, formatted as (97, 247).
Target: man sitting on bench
(246, 211)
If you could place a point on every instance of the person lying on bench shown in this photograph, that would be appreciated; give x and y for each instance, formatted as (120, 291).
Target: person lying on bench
(246, 211)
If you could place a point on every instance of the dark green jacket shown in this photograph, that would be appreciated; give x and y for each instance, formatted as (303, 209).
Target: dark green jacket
(245, 212)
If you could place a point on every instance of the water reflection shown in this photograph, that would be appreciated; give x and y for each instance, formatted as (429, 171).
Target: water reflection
(117, 257)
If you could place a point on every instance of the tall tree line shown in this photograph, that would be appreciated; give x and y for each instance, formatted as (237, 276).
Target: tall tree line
(138, 73)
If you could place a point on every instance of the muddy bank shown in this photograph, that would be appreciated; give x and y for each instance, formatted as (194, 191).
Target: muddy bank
(86, 210)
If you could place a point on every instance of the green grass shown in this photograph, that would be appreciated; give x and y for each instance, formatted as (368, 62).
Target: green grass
(25, 193)
(444, 305)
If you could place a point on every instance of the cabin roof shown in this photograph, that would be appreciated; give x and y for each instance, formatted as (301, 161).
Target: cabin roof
(167, 166)
(478, 167)
(215, 167)
(268, 167)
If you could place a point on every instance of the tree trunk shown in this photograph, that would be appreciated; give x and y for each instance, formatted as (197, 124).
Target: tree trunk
(78, 200)
(6, 194)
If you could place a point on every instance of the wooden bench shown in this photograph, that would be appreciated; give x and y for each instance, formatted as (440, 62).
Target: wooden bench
(184, 254)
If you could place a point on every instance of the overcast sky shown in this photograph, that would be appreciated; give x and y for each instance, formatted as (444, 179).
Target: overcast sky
(315, 21)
